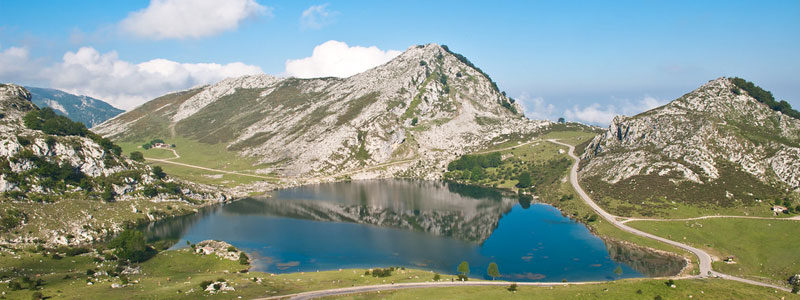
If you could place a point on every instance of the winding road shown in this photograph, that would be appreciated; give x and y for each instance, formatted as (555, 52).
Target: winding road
(704, 259)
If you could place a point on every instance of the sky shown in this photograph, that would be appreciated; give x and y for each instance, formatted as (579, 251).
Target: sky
(586, 61)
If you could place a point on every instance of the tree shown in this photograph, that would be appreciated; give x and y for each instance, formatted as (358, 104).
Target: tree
(524, 180)
(243, 259)
(618, 271)
(130, 245)
(137, 156)
(493, 271)
(158, 172)
(561, 120)
(436, 277)
(463, 268)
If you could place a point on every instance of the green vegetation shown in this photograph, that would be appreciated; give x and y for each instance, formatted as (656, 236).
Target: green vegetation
(765, 97)
(493, 271)
(130, 245)
(734, 193)
(196, 153)
(172, 274)
(463, 271)
(49, 122)
(468, 162)
(137, 156)
(762, 249)
(646, 289)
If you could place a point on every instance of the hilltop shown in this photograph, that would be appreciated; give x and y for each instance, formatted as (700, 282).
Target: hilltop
(721, 147)
(84, 109)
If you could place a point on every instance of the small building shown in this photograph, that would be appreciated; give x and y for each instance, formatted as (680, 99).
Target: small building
(730, 259)
(777, 209)
(161, 145)
(205, 250)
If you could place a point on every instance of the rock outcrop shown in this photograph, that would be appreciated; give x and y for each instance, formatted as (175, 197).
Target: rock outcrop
(716, 135)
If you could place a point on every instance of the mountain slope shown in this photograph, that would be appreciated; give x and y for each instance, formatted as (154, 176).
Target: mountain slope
(84, 109)
(426, 106)
(716, 147)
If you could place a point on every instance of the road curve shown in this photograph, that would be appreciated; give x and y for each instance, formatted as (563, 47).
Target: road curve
(703, 257)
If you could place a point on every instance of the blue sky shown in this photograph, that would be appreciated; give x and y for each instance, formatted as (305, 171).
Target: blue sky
(584, 60)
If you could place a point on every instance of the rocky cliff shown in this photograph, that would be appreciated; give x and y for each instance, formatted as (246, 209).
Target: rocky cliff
(717, 145)
(417, 112)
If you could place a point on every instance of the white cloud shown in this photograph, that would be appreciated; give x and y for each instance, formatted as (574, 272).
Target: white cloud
(602, 115)
(15, 64)
(317, 16)
(536, 108)
(334, 58)
(177, 19)
(127, 85)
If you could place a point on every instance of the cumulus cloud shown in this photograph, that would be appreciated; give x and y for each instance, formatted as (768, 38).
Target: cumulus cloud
(13, 62)
(127, 85)
(598, 114)
(536, 108)
(317, 16)
(177, 19)
(334, 58)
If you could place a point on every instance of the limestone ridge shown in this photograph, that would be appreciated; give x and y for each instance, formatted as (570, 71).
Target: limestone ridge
(37, 166)
(714, 130)
(426, 106)
(84, 109)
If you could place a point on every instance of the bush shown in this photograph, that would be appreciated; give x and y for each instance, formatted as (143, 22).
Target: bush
(382, 272)
(158, 172)
(436, 277)
(130, 245)
(205, 284)
(49, 122)
(469, 162)
(524, 180)
(512, 287)
(243, 259)
(137, 156)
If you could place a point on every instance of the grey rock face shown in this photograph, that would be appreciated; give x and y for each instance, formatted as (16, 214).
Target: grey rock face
(689, 138)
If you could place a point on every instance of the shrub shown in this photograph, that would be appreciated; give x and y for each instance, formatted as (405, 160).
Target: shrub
(130, 245)
(436, 277)
(137, 156)
(382, 272)
(205, 284)
(243, 259)
(512, 287)
(158, 172)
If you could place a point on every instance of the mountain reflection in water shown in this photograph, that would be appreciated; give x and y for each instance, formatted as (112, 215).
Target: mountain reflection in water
(424, 224)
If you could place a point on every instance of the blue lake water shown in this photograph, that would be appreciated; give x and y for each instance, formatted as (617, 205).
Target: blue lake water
(419, 224)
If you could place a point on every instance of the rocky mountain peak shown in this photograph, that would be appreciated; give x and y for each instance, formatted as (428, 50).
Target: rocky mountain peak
(428, 104)
(715, 134)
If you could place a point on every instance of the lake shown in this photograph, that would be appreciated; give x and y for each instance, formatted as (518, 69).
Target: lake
(418, 224)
